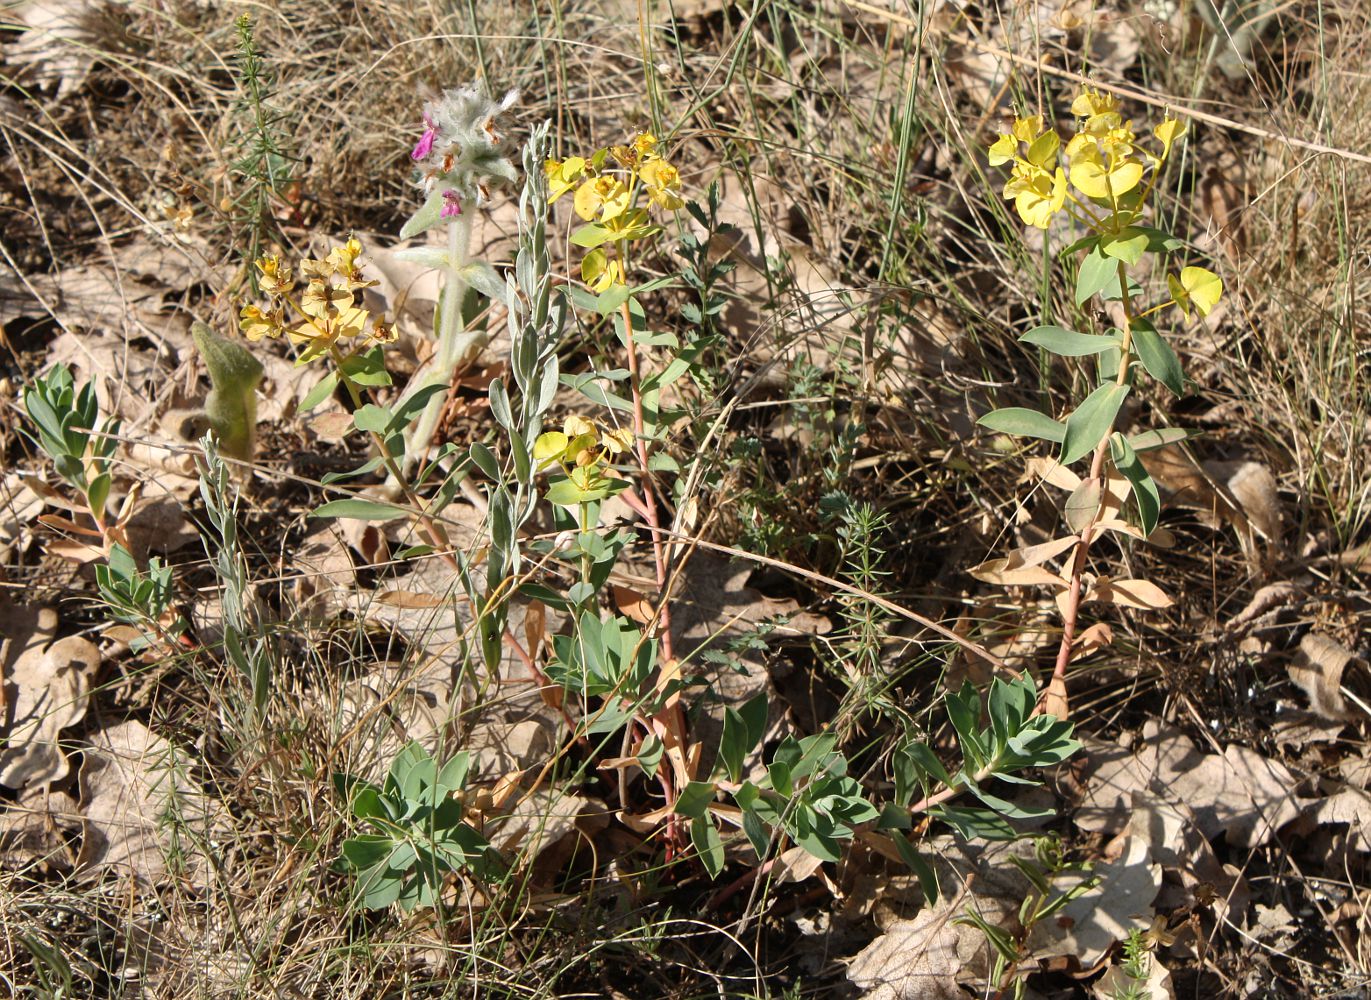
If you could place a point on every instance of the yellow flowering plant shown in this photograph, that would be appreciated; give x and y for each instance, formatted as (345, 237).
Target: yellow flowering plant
(1101, 180)
(608, 186)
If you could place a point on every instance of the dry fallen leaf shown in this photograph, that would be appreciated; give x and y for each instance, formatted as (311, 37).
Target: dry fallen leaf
(35, 829)
(143, 812)
(1240, 794)
(46, 687)
(928, 956)
(19, 505)
(1319, 670)
(1143, 594)
(914, 959)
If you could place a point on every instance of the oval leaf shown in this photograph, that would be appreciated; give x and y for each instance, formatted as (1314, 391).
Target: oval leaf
(1083, 504)
(361, 510)
(1158, 357)
(1097, 273)
(1091, 421)
(1025, 422)
(1067, 343)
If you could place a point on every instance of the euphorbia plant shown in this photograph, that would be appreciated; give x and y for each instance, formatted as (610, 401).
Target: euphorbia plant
(1103, 179)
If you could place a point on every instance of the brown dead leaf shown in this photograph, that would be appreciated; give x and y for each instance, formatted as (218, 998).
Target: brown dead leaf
(1023, 566)
(1143, 594)
(35, 830)
(543, 827)
(712, 603)
(913, 960)
(1351, 806)
(1320, 670)
(1240, 794)
(1116, 983)
(929, 956)
(631, 603)
(19, 505)
(60, 43)
(133, 781)
(46, 687)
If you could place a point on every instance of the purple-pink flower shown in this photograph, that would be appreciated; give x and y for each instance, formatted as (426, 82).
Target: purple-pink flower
(452, 205)
(425, 145)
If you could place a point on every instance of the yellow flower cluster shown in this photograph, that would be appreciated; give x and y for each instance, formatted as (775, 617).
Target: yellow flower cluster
(607, 185)
(327, 310)
(584, 453)
(1104, 161)
(580, 444)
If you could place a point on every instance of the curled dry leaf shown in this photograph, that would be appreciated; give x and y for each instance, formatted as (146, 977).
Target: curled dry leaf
(1023, 566)
(142, 808)
(19, 505)
(34, 830)
(1320, 670)
(47, 685)
(1142, 594)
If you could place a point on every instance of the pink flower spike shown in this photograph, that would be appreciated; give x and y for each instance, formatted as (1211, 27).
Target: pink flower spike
(452, 205)
(425, 145)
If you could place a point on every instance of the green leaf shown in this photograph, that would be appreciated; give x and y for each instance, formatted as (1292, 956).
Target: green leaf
(1158, 357)
(591, 235)
(98, 492)
(1084, 243)
(1128, 245)
(1091, 421)
(1067, 343)
(755, 830)
(1096, 273)
(428, 216)
(928, 880)
(1159, 241)
(1159, 437)
(650, 754)
(321, 391)
(485, 460)
(360, 510)
(372, 418)
(611, 299)
(1025, 422)
(1145, 492)
(1009, 809)
(708, 844)
(733, 744)
(973, 823)
(367, 850)
(368, 368)
(923, 755)
(695, 798)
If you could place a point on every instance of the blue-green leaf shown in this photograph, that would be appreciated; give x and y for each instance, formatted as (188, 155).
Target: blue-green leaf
(1091, 421)
(1025, 422)
(1067, 343)
(1096, 273)
(1158, 357)
(360, 510)
(1145, 491)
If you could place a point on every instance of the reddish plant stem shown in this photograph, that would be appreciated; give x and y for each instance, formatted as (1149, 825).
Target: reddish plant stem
(1073, 599)
(649, 497)
(674, 716)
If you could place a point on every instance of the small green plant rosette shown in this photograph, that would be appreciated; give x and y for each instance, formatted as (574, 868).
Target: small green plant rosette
(423, 837)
